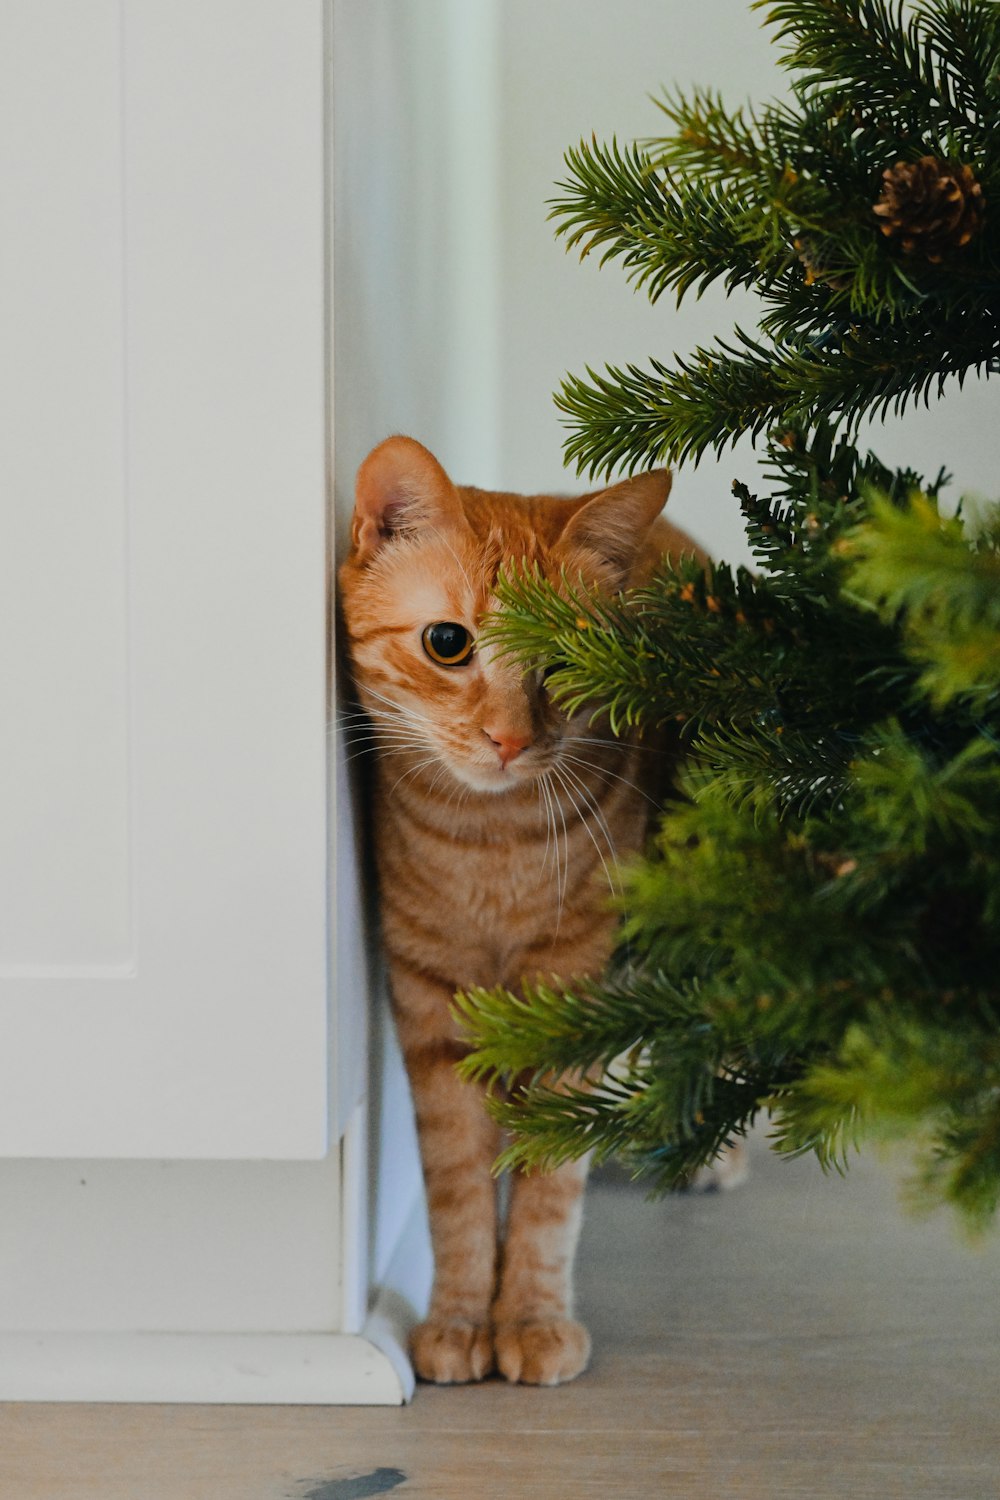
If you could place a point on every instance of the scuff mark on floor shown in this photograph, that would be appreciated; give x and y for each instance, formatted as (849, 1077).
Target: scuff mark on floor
(360, 1487)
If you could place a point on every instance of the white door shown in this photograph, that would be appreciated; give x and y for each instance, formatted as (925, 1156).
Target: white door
(163, 420)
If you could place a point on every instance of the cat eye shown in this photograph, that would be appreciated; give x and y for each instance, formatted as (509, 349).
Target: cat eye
(448, 644)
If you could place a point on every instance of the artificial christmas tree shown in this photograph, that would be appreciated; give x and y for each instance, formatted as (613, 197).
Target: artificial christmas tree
(817, 931)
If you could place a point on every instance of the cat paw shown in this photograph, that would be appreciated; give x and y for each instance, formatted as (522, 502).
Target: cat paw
(543, 1353)
(451, 1353)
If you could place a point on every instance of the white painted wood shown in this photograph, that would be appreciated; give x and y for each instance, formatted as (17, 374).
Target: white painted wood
(355, 1279)
(64, 859)
(354, 967)
(301, 1370)
(403, 1293)
(163, 849)
(171, 1247)
(233, 1269)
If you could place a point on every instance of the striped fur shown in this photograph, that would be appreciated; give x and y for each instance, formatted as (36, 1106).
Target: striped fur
(498, 822)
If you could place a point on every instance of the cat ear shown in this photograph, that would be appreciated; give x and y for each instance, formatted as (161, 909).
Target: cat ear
(401, 488)
(613, 524)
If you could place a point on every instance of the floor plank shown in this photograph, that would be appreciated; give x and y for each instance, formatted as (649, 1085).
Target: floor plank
(799, 1337)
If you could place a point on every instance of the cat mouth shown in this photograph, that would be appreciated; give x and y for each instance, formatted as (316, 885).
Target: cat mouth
(497, 778)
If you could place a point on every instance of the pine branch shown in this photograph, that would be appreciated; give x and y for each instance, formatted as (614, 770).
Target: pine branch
(550, 1032)
(619, 202)
(631, 418)
(707, 650)
(711, 143)
(794, 773)
(893, 1076)
(917, 67)
(782, 199)
(913, 563)
(964, 38)
(634, 1121)
(670, 1111)
(819, 474)
(917, 805)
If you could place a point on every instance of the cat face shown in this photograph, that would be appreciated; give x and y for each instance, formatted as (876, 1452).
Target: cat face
(419, 580)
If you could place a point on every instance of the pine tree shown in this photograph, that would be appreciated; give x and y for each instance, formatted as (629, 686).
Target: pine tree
(817, 929)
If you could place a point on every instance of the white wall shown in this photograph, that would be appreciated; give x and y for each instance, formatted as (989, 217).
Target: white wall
(416, 238)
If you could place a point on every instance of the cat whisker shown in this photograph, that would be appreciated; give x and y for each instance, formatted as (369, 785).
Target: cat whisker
(441, 772)
(563, 774)
(622, 746)
(603, 772)
(384, 731)
(397, 708)
(390, 724)
(593, 804)
(361, 726)
(545, 795)
(381, 734)
(377, 722)
(391, 742)
(345, 726)
(458, 794)
(562, 867)
(381, 747)
(544, 804)
(412, 771)
(395, 716)
(346, 714)
(383, 750)
(383, 716)
(356, 754)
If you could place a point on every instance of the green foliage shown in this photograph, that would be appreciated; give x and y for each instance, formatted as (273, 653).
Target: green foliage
(777, 682)
(920, 566)
(816, 930)
(781, 199)
(935, 67)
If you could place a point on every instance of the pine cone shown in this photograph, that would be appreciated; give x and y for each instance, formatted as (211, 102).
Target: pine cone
(932, 206)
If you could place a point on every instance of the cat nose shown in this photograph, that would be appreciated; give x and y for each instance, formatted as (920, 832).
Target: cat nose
(507, 745)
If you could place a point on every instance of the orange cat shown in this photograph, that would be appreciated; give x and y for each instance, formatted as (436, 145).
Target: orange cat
(497, 821)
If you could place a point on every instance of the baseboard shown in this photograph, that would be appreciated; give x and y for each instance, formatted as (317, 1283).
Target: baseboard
(401, 1300)
(285, 1369)
(305, 1369)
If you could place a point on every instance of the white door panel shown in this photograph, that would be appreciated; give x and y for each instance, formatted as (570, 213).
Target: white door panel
(162, 579)
(64, 878)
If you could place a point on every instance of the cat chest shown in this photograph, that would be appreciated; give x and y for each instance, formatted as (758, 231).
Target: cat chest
(479, 876)
(483, 899)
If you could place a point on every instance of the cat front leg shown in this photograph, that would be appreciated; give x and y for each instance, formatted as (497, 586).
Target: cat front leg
(458, 1145)
(536, 1338)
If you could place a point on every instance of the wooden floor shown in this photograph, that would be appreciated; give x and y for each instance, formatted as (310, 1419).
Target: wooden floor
(798, 1337)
